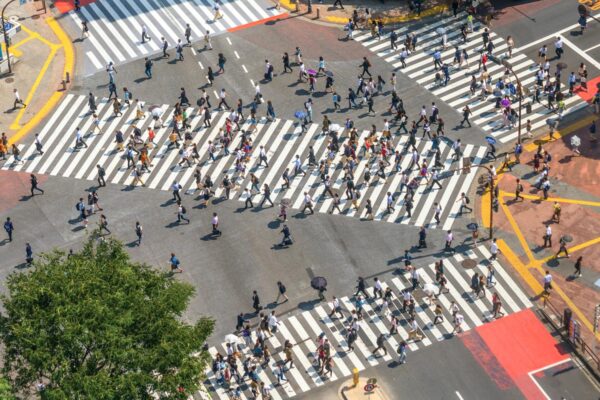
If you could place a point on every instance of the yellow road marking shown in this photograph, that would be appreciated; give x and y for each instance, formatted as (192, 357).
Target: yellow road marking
(558, 134)
(36, 83)
(558, 199)
(523, 270)
(516, 228)
(39, 37)
(56, 96)
(392, 20)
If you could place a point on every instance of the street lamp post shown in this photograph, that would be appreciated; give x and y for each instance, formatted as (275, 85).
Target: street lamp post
(6, 39)
(508, 66)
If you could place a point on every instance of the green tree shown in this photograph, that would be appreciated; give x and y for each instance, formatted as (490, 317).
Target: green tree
(98, 326)
(5, 390)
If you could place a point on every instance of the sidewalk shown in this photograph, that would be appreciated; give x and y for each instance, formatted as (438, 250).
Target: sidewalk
(391, 12)
(576, 188)
(44, 54)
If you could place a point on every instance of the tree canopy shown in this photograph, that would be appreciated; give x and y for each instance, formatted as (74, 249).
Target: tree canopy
(96, 325)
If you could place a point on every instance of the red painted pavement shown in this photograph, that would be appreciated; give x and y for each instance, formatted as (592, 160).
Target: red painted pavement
(67, 5)
(512, 346)
(259, 22)
(591, 89)
(15, 188)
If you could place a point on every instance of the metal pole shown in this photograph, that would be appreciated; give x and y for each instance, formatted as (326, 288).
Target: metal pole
(6, 41)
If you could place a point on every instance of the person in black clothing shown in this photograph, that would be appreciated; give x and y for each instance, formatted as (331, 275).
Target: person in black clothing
(256, 302)
(286, 62)
(361, 288)
(287, 236)
(34, 184)
(365, 66)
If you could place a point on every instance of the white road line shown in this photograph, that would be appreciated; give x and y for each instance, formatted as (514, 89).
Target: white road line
(252, 82)
(229, 41)
(244, 68)
(236, 54)
(94, 60)
(582, 53)
(193, 51)
(458, 395)
(592, 48)
(200, 64)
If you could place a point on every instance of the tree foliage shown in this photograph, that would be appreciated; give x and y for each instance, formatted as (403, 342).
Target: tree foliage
(98, 326)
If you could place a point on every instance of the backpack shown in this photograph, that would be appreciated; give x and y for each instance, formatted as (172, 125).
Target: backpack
(467, 200)
(183, 210)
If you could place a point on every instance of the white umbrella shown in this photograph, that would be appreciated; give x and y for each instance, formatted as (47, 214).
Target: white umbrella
(440, 30)
(156, 112)
(231, 338)
(334, 127)
(575, 141)
(430, 289)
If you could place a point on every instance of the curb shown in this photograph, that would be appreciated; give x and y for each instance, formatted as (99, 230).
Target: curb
(287, 4)
(56, 96)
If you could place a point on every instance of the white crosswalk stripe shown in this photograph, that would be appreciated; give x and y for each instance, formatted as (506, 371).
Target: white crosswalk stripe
(116, 27)
(457, 93)
(303, 329)
(282, 141)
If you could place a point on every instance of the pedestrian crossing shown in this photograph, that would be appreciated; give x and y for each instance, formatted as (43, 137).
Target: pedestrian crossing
(457, 93)
(115, 26)
(282, 141)
(303, 329)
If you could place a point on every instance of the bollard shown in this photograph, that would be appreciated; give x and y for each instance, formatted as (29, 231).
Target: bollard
(68, 77)
(355, 377)
(297, 6)
(318, 13)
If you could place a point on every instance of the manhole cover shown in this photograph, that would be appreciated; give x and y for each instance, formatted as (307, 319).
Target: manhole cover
(9, 80)
(469, 264)
(35, 16)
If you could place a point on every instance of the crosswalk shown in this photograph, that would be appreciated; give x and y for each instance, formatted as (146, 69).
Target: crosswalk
(420, 68)
(281, 139)
(116, 26)
(302, 329)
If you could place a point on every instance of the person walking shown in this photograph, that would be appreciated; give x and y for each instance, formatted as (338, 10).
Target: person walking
(466, 113)
(464, 203)
(138, 232)
(9, 228)
(104, 224)
(34, 184)
(281, 290)
(380, 344)
(361, 288)
(215, 225)
(266, 195)
(18, 100)
(519, 190)
(181, 212)
(28, 253)
(175, 264)
(256, 302)
(145, 34)
(547, 283)
(548, 236)
(578, 267)
(563, 247)
(148, 67)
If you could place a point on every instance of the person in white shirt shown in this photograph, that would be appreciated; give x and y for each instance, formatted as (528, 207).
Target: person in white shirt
(494, 250)
(18, 100)
(272, 322)
(378, 289)
(215, 224)
(308, 203)
(547, 283)
(548, 236)
(558, 47)
(413, 332)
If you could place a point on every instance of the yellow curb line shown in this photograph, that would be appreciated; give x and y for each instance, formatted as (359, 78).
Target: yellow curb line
(558, 199)
(516, 262)
(536, 286)
(394, 20)
(516, 228)
(573, 249)
(56, 96)
(13, 51)
(34, 87)
(558, 134)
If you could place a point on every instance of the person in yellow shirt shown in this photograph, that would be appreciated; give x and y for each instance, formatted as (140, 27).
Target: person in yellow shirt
(556, 214)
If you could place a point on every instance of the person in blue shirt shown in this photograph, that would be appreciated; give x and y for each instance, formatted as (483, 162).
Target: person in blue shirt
(175, 264)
